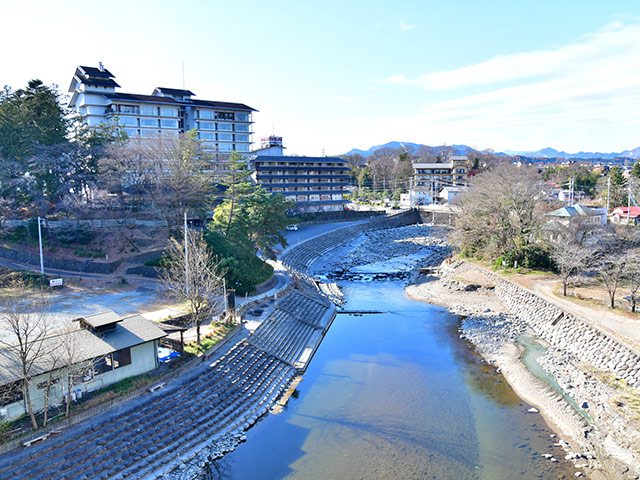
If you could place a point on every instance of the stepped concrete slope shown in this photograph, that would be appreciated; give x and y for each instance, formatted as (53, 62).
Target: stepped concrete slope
(215, 403)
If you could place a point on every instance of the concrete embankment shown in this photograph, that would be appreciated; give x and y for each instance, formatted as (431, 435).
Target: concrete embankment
(597, 370)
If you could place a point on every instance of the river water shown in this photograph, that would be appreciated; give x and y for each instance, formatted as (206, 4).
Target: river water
(396, 395)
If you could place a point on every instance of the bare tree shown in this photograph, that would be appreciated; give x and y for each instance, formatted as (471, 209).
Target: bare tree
(571, 260)
(610, 269)
(26, 327)
(500, 213)
(194, 279)
(632, 274)
(75, 365)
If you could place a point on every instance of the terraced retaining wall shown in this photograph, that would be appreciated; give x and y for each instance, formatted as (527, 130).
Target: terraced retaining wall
(566, 331)
(59, 263)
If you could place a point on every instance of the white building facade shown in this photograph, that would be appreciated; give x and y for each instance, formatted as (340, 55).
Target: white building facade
(223, 126)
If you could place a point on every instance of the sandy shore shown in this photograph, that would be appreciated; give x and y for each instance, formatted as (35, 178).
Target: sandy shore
(490, 327)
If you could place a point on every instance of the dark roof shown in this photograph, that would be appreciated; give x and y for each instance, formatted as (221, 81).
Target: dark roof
(228, 105)
(158, 99)
(101, 319)
(142, 98)
(96, 72)
(173, 91)
(285, 158)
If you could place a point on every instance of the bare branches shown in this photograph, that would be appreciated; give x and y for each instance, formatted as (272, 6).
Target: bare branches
(194, 279)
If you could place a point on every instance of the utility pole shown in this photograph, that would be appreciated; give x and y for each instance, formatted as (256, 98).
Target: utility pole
(608, 193)
(186, 256)
(40, 242)
(629, 203)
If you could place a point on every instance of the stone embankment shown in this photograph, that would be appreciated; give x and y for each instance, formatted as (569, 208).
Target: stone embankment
(596, 370)
(197, 418)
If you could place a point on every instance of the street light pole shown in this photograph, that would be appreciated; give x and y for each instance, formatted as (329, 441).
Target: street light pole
(40, 242)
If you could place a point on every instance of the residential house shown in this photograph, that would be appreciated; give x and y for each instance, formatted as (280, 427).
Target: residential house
(625, 215)
(104, 349)
(583, 220)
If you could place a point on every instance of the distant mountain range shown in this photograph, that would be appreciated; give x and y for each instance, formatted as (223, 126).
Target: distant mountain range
(464, 150)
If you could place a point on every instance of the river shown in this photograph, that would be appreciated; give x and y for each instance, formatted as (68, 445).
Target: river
(396, 395)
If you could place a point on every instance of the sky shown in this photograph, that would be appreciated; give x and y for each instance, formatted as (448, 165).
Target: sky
(329, 76)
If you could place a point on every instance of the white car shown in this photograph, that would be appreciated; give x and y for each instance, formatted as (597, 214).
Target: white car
(293, 227)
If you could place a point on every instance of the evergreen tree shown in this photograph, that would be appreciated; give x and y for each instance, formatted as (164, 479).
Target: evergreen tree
(635, 170)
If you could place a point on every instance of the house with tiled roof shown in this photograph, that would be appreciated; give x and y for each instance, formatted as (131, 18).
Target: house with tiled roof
(580, 218)
(105, 348)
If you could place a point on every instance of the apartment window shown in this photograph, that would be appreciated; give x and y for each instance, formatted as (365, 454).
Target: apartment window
(241, 137)
(224, 126)
(207, 114)
(242, 128)
(225, 137)
(128, 121)
(148, 110)
(206, 125)
(224, 115)
(242, 117)
(165, 123)
(148, 122)
(169, 111)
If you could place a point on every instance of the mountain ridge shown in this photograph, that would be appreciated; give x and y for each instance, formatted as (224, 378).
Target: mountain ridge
(547, 152)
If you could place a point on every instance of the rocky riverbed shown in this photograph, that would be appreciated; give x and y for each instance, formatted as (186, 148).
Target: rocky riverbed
(605, 447)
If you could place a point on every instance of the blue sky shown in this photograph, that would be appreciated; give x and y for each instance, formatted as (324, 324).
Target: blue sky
(329, 76)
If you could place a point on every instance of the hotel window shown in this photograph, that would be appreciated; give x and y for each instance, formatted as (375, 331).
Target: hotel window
(128, 109)
(242, 137)
(206, 114)
(225, 147)
(224, 126)
(224, 115)
(164, 123)
(242, 128)
(206, 125)
(169, 111)
(149, 133)
(148, 110)
(128, 121)
(225, 137)
(242, 148)
(170, 133)
(207, 136)
(242, 117)
(131, 132)
(148, 122)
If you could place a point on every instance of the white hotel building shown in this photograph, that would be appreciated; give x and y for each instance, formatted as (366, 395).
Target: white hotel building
(224, 126)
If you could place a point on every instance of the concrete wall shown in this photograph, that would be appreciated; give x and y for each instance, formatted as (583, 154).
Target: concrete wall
(566, 331)
(58, 263)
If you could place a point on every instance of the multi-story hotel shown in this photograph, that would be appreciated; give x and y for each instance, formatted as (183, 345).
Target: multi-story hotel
(452, 173)
(313, 183)
(224, 126)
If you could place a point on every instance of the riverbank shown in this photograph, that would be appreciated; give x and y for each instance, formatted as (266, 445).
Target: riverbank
(603, 448)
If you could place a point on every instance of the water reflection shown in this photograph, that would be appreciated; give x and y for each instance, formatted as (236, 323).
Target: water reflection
(395, 395)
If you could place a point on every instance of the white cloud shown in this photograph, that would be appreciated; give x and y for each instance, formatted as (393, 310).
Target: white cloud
(615, 40)
(582, 96)
(404, 27)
